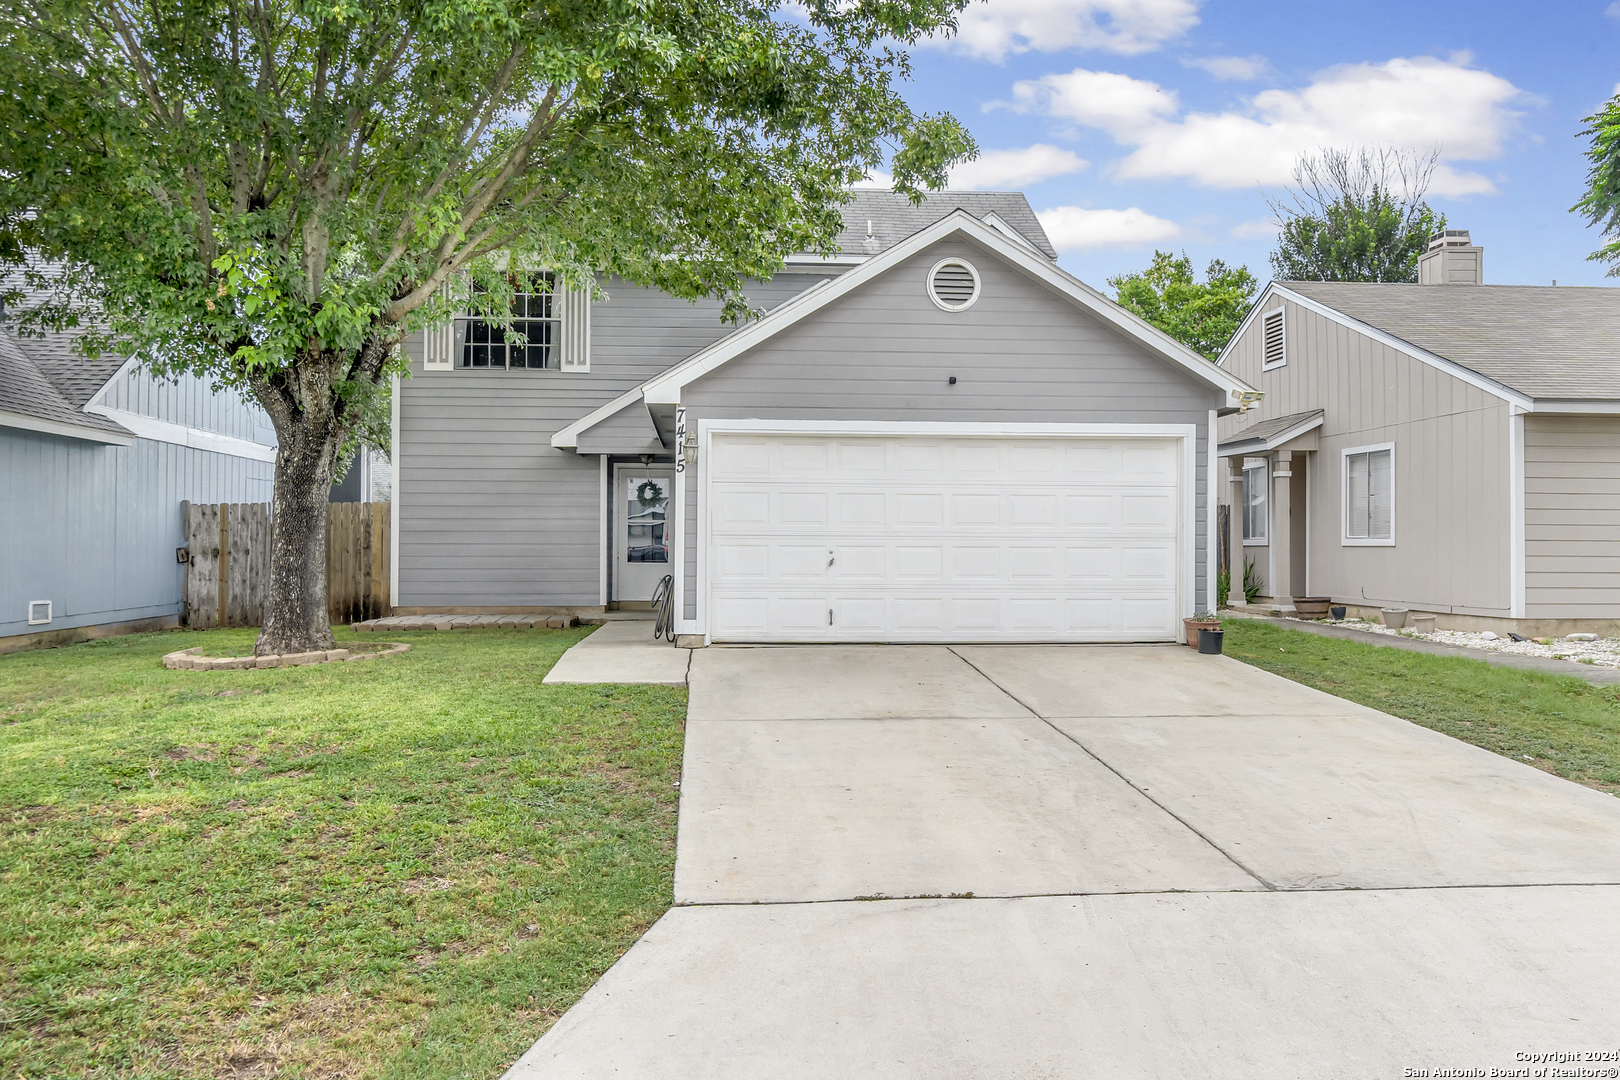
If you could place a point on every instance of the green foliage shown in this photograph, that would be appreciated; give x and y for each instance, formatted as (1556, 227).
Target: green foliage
(1201, 315)
(1223, 586)
(1251, 582)
(273, 194)
(1601, 204)
(1561, 724)
(1356, 216)
(405, 867)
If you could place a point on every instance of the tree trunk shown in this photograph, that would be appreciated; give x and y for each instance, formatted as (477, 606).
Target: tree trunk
(295, 611)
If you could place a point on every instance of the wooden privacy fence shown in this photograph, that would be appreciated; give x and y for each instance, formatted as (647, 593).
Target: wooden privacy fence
(228, 562)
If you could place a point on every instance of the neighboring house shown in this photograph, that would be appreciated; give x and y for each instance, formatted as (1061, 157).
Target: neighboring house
(934, 435)
(1449, 447)
(95, 459)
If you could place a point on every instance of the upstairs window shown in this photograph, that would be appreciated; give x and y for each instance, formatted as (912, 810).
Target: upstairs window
(533, 339)
(1256, 507)
(1369, 495)
(1274, 340)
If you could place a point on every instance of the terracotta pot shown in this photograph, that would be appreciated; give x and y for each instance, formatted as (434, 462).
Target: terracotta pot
(1312, 607)
(1192, 626)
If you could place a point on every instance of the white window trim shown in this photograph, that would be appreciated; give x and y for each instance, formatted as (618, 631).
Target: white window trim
(1263, 319)
(942, 305)
(32, 604)
(1243, 507)
(571, 312)
(1345, 539)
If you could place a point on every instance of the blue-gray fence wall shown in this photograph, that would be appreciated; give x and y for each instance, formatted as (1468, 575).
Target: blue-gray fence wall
(93, 528)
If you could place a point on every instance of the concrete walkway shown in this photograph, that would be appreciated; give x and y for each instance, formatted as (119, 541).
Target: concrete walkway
(1544, 664)
(622, 651)
(1050, 862)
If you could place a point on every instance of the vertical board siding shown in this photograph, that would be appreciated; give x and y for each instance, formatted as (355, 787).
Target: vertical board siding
(1021, 354)
(94, 528)
(1571, 517)
(1452, 520)
(490, 513)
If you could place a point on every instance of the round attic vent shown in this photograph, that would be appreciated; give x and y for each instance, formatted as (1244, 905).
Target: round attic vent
(953, 285)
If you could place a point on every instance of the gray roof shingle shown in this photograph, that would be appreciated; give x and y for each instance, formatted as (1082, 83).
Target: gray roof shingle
(893, 218)
(27, 388)
(1541, 340)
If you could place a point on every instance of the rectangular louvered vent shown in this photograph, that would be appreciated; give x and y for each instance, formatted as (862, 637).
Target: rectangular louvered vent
(1275, 344)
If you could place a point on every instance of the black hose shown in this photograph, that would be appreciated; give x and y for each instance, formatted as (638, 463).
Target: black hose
(664, 606)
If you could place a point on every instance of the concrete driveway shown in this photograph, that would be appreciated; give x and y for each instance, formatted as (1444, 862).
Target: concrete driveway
(915, 861)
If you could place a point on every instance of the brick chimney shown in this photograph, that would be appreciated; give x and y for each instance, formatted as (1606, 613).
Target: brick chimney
(1452, 259)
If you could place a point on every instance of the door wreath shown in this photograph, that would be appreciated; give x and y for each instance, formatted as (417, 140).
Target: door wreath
(649, 493)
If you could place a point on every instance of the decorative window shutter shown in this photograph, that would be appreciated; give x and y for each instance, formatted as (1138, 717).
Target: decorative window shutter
(439, 343)
(574, 310)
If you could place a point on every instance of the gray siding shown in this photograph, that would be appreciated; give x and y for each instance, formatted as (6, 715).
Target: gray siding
(1452, 538)
(93, 528)
(490, 514)
(1021, 354)
(1571, 517)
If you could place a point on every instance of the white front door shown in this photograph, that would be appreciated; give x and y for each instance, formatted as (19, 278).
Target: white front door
(641, 504)
(945, 538)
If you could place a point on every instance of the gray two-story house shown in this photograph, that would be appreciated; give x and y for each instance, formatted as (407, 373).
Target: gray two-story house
(1449, 447)
(934, 435)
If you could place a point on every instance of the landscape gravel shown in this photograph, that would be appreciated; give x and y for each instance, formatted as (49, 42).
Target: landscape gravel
(1604, 652)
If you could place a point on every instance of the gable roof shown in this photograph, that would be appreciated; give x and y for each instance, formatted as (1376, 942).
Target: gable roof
(893, 217)
(1269, 434)
(665, 388)
(44, 386)
(1521, 342)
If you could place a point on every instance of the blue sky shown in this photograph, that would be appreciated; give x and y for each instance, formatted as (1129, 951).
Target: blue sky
(1135, 124)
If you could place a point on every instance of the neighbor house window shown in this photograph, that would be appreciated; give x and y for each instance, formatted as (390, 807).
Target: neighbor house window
(1256, 506)
(532, 339)
(1369, 495)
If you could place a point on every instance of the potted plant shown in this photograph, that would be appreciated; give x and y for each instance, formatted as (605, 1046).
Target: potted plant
(1209, 641)
(1312, 607)
(1203, 620)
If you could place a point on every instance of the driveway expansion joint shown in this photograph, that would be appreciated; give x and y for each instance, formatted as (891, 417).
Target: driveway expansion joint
(1235, 861)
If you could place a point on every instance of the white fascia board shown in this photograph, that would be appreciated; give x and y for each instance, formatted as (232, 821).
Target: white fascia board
(1434, 360)
(123, 369)
(1246, 446)
(994, 220)
(665, 389)
(840, 259)
(1255, 309)
(1595, 407)
(568, 437)
(147, 427)
(24, 422)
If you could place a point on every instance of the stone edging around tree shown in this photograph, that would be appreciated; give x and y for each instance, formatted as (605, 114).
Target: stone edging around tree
(188, 660)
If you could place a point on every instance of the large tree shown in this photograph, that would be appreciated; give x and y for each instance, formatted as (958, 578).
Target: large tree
(1202, 315)
(1601, 204)
(1356, 215)
(274, 193)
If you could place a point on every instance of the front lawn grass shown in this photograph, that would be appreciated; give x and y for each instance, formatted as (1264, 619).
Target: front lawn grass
(405, 867)
(1561, 724)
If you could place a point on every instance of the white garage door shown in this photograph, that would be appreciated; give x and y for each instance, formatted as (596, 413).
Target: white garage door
(915, 538)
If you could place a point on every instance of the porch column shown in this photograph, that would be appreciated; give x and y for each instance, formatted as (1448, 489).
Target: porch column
(1282, 542)
(1234, 529)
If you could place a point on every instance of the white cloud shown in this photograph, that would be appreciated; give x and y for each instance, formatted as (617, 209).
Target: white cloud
(1118, 104)
(991, 29)
(1071, 228)
(1234, 68)
(1015, 168)
(1258, 229)
(877, 178)
(1418, 102)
